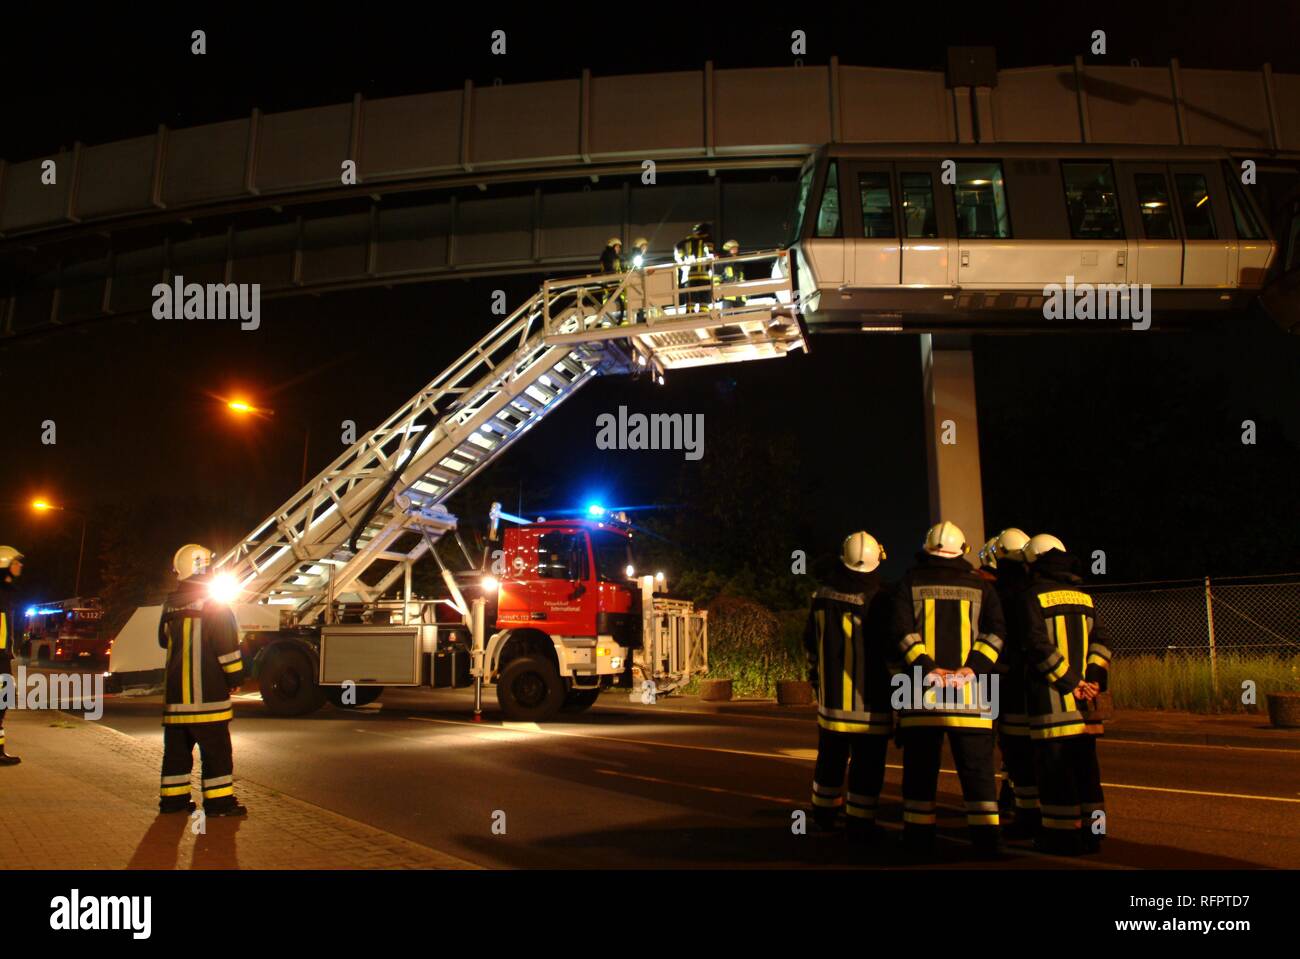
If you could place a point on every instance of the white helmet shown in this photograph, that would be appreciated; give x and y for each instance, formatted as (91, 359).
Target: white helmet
(1040, 544)
(7, 555)
(190, 560)
(731, 246)
(861, 553)
(640, 242)
(946, 539)
(614, 241)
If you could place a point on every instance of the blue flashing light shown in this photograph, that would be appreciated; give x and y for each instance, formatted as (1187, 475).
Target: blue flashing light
(31, 611)
(595, 509)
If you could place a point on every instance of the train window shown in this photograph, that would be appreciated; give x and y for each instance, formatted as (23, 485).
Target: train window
(877, 205)
(980, 195)
(1243, 216)
(828, 216)
(1153, 201)
(1091, 201)
(801, 200)
(1194, 200)
(918, 205)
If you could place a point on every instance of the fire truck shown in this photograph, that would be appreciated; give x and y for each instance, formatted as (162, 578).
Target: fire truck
(67, 631)
(322, 587)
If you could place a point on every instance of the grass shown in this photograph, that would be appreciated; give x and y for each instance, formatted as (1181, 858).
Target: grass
(1185, 682)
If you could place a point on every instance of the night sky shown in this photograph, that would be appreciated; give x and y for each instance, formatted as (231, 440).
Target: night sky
(1125, 443)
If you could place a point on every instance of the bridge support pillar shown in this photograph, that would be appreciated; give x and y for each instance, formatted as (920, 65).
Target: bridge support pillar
(952, 441)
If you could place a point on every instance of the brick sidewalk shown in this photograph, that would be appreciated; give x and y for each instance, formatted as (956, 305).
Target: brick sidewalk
(85, 797)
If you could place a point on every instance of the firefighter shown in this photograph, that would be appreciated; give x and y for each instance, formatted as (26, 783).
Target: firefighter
(1067, 665)
(11, 567)
(1005, 555)
(948, 624)
(204, 665)
(611, 261)
(731, 273)
(693, 254)
(847, 640)
(640, 253)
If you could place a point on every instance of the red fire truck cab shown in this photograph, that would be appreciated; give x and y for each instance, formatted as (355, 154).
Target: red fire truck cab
(67, 631)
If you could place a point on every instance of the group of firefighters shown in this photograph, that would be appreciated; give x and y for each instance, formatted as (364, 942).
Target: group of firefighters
(951, 652)
(694, 255)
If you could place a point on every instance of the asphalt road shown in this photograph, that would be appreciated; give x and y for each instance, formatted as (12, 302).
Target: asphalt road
(625, 786)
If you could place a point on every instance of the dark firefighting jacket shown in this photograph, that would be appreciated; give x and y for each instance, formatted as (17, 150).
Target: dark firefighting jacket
(946, 616)
(847, 640)
(204, 661)
(10, 625)
(732, 273)
(694, 252)
(1063, 644)
(611, 261)
(1011, 581)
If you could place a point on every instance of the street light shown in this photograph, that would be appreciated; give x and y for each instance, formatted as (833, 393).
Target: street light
(45, 506)
(242, 407)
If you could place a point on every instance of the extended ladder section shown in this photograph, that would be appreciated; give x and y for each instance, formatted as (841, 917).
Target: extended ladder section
(355, 528)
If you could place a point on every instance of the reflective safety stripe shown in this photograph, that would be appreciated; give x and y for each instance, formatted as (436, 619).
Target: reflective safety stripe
(233, 667)
(174, 719)
(4, 631)
(820, 617)
(218, 781)
(878, 727)
(178, 778)
(218, 792)
(981, 819)
(186, 696)
(929, 628)
(230, 657)
(846, 690)
(175, 790)
(1064, 597)
(914, 648)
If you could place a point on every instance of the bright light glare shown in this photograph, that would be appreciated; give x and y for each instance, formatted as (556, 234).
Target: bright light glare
(631, 572)
(239, 406)
(490, 584)
(659, 577)
(595, 509)
(224, 588)
(42, 505)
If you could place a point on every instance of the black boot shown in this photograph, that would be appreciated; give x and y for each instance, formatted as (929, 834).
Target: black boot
(825, 817)
(862, 832)
(169, 808)
(1024, 826)
(8, 760)
(233, 809)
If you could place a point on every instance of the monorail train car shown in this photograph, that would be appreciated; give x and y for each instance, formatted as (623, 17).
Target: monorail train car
(998, 237)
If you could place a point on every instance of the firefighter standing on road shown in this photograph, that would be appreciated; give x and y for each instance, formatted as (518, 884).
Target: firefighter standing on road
(204, 664)
(949, 627)
(694, 254)
(847, 640)
(1068, 665)
(1005, 555)
(11, 567)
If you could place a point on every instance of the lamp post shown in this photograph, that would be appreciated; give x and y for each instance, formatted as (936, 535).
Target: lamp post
(242, 407)
(45, 506)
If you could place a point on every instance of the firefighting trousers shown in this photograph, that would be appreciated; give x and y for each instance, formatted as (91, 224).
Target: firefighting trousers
(972, 753)
(864, 756)
(1069, 784)
(2, 730)
(1018, 755)
(213, 740)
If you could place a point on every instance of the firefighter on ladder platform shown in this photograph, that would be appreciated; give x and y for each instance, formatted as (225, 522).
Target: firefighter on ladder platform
(694, 255)
(1067, 668)
(204, 665)
(1004, 555)
(949, 628)
(731, 273)
(11, 567)
(611, 261)
(847, 640)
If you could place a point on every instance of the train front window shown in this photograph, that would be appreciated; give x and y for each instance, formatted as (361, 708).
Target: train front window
(919, 220)
(1248, 227)
(1194, 200)
(877, 205)
(980, 195)
(828, 214)
(1153, 201)
(1091, 200)
(801, 201)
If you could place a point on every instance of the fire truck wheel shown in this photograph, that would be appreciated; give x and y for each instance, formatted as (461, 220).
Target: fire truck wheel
(577, 700)
(289, 684)
(364, 696)
(530, 689)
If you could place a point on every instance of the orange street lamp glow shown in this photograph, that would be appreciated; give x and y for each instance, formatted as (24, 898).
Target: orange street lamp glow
(42, 505)
(239, 406)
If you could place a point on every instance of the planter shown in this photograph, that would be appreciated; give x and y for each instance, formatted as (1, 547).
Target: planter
(715, 690)
(1284, 710)
(794, 692)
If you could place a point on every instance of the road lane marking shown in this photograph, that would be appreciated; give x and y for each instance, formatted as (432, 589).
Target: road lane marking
(1108, 740)
(808, 755)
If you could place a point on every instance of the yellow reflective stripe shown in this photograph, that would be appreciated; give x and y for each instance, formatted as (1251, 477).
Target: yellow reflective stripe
(4, 631)
(820, 617)
(1083, 624)
(984, 649)
(981, 819)
(175, 790)
(914, 653)
(929, 628)
(219, 792)
(920, 818)
(1056, 732)
(233, 667)
(185, 661)
(172, 719)
(849, 726)
(826, 800)
(965, 630)
(846, 691)
(1064, 597)
(1057, 671)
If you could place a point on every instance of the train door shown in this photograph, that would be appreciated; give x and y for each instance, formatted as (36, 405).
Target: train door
(823, 246)
(1209, 247)
(926, 226)
(987, 255)
(873, 225)
(1155, 247)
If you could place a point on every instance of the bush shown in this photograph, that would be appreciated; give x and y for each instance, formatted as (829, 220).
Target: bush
(754, 647)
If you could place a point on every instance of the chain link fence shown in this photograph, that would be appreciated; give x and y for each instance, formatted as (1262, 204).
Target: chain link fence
(1207, 645)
